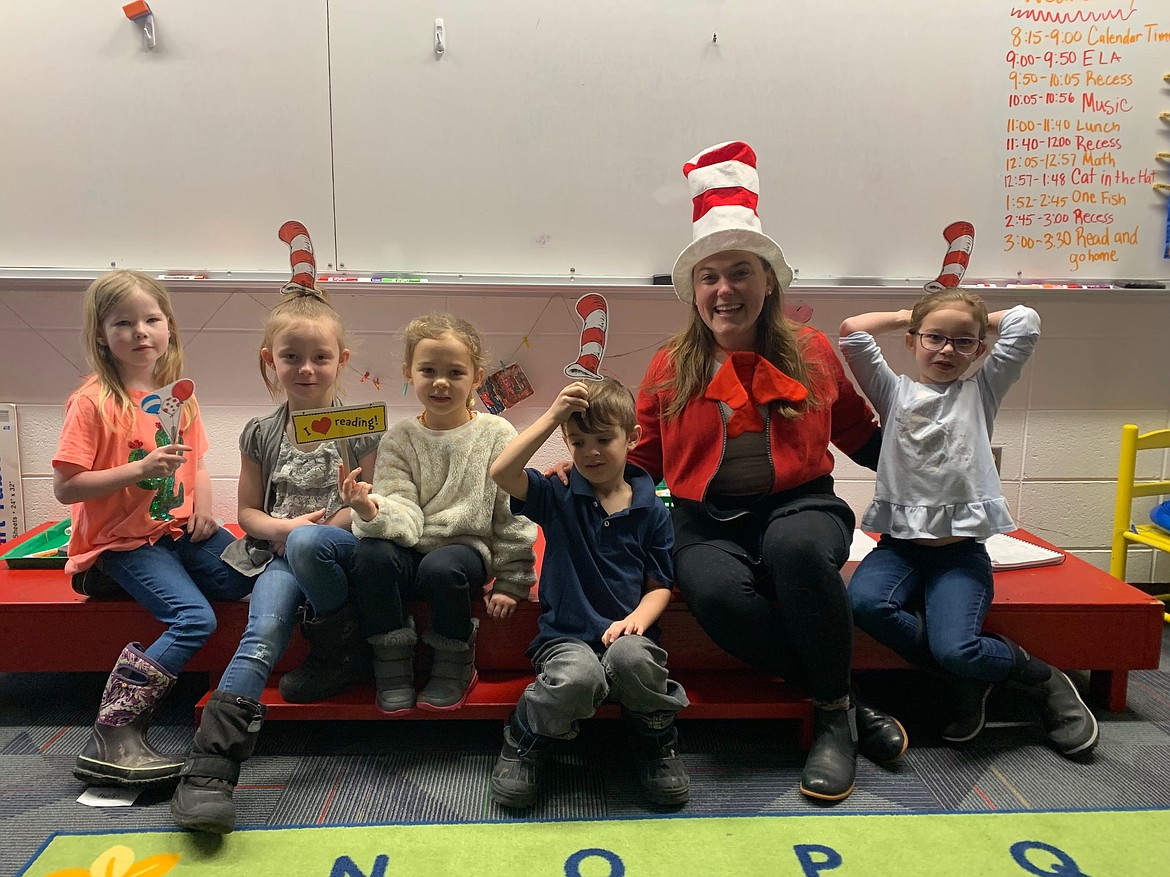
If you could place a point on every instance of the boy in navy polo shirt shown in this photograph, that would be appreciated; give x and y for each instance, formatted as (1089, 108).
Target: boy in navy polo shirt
(604, 582)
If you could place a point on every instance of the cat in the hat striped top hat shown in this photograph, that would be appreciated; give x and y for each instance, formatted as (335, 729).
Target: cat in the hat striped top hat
(725, 189)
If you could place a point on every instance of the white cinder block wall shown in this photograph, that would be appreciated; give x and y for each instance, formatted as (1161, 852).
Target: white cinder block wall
(1104, 360)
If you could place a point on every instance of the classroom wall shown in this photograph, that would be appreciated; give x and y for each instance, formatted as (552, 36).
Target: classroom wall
(1101, 362)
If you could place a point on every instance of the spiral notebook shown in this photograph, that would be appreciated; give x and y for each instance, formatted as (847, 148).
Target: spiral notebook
(1008, 552)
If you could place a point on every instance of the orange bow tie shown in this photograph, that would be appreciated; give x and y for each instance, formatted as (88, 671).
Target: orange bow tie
(746, 380)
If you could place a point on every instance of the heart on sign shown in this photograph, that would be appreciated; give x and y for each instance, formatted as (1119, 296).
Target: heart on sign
(321, 425)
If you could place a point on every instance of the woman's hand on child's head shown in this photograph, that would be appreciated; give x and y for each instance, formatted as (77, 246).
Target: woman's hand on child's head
(201, 527)
(618, 629)
(356, 494)
(574, 399)
(500, 606)
(164, 461)
(561, 470)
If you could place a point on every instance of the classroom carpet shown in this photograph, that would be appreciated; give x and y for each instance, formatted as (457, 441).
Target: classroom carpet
(1072, 844)
(423, 786)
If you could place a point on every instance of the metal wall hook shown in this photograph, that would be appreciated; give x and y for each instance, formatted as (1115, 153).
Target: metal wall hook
(139, 13)
(440, 37)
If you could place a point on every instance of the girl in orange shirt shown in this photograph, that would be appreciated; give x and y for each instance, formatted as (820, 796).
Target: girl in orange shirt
(141, 514)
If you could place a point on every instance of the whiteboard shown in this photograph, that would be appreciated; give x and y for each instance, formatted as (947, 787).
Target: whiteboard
(187, 156)
(548, 138)
(547, 141)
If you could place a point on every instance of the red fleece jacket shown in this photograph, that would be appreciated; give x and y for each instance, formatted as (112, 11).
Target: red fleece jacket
(687, 449)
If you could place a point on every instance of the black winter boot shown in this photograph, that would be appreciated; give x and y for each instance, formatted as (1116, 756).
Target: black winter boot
(662, 776)
(452, 673)
(394, 669)
(338, 656)
(969, 704)
(516, 776)
(1070, 726)
(880, 737)
(118, 753)
(225, 739)
(831, 765)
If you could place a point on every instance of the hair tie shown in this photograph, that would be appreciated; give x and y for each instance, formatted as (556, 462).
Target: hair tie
(297, 290)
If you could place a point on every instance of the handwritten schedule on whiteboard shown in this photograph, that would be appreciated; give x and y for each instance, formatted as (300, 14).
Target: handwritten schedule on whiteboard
(1073, 163)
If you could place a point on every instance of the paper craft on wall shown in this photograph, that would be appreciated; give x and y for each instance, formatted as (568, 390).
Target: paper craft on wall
(504, 388)
(960, 238)
(167, 403)
(593, 310)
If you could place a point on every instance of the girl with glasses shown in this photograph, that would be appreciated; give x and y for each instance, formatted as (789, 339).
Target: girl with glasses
(925, 590)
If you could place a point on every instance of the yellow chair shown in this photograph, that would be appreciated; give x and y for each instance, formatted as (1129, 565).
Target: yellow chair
(1125, 532)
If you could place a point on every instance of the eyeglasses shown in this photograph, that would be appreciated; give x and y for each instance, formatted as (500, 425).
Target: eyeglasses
(932, 341)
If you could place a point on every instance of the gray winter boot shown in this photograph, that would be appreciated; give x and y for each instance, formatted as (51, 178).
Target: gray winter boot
(394, 669)
(452, 674)
(662, 776)
(338, 657)
(516, 775)
(225, 739)
(117, 753)
(969, 705)
(1071, 728)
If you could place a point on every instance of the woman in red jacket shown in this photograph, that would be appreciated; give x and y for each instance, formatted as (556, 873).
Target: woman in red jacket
(737, 413)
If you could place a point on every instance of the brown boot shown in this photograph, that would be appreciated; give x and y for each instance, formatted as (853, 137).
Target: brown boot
(118, 753)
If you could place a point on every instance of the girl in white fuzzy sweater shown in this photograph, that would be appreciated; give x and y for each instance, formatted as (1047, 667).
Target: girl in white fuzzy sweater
(434, 526)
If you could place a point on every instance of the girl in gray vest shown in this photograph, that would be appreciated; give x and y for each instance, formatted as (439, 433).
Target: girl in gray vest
(298, 544)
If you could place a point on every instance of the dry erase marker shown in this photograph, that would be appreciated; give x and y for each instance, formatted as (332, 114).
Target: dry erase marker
(398, 280)
(332, 279)
(182, 277)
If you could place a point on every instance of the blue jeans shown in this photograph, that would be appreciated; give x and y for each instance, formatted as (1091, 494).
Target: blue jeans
(175, 579)
(929, 604)
(321, 557)
(272, 615)
(315, 564)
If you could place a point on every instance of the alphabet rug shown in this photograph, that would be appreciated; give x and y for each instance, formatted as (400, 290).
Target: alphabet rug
(1115, 843)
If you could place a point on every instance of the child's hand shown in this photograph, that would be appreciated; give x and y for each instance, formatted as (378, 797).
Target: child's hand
(574, 399)
(163, 462)
(307, 518)
(621, 628)
(499, 606)
(356, 494)
(201, 527)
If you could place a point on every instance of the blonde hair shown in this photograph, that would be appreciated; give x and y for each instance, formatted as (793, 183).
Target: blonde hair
(103, 296)
(434, 327)
(610, 404)
(932, 301)
(691, 351)
(298, 305)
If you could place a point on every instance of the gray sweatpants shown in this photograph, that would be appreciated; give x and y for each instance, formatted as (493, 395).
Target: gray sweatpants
(572, 681)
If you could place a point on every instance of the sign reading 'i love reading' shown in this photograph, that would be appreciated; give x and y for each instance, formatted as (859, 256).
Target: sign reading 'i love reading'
(351, 422)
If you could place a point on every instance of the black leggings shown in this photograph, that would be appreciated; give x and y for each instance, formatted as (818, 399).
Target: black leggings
(387, 576)
(789, 614)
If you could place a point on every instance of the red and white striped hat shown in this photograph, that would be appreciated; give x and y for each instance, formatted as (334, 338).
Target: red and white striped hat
(725, 189)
